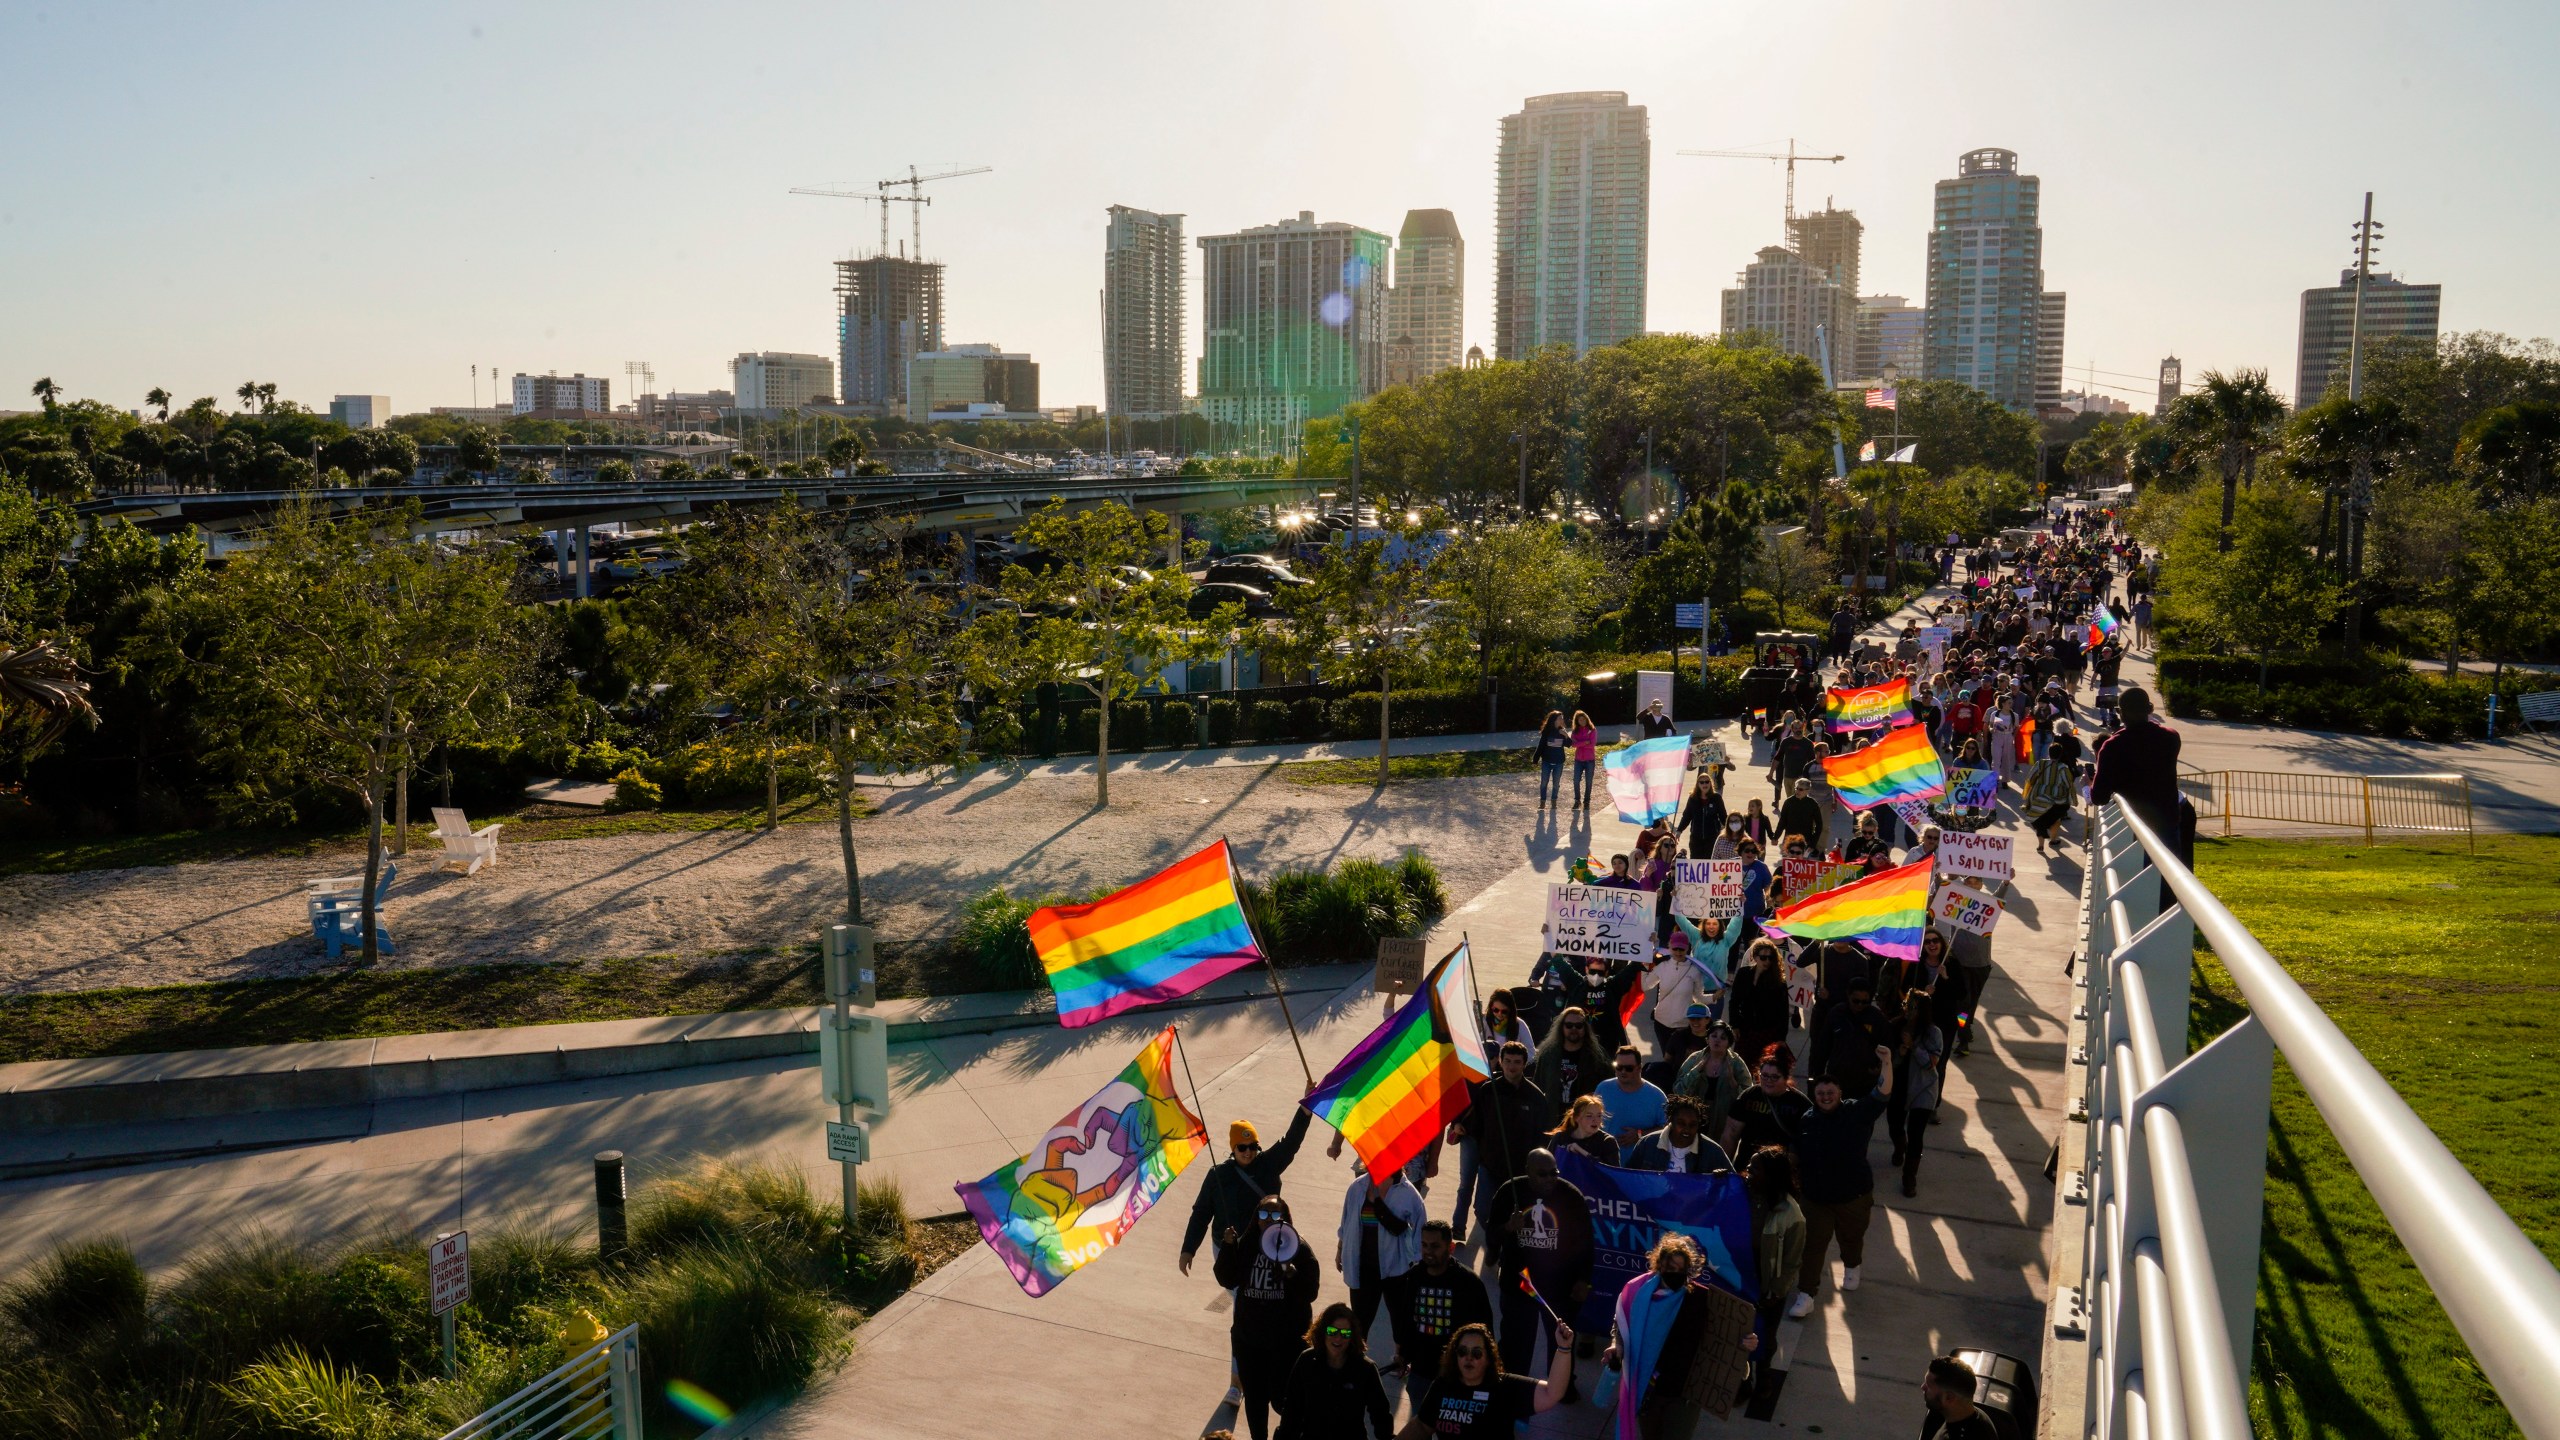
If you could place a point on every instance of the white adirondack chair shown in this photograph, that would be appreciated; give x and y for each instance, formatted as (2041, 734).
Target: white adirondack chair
(463, 845)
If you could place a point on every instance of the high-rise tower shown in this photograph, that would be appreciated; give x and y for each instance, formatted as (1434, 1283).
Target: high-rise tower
(1425, 308)
(890, 311)
(1142, 309)
(1571, 209)
(1986, 279)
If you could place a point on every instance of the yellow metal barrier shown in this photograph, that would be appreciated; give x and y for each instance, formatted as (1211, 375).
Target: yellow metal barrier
(2431, 804)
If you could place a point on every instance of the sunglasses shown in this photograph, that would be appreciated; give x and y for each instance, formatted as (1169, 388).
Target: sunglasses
(1626, 1069)
(1336, 1330)
(1248, 1145)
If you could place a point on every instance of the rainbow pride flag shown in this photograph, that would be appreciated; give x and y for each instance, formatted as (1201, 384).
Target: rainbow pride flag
(2101, 625)
(1865, 707)
(1397, 1090)
(1885, 912)
(1091, 1177)
(1901, 766)
(1165, 936)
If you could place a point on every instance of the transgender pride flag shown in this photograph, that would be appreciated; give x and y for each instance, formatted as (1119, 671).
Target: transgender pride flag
(1644, 778)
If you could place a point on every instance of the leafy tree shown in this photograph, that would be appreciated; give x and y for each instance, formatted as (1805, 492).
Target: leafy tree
(46, 393)
(2513, 452)
(2254, 584)
(476, 450)
(1105, 623)
(2445, 388)
(2423, 531)
(339, 648)
(1363, 599)
(2344, 446)
(675, 470)
(1958, 427)
(1707, 554)
(1513, 593)
(2508, 590)
(1790, 567)
(248, 393)
(614, 472)
(2239, 416)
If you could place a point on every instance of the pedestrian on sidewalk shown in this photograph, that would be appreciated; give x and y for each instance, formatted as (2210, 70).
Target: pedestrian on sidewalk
(1542, 1223)
(1918, 1048)
(1681, 1146)
(1771, 1112)
(1714, 1077)
(1505, 1115)
(1584, 1130)
(1653, 722)
(1333, 1391)
(1947, 1391)
(1657, 1332)
(1275, 1278)
(2051, 791)
(1235, 1186)
(1603, 997)
(1586, 758)
(1501, 1027)
(1473, 1398)
(1379, 1239)
(1429, 1303)
(1570, 1063)
(1758, 1007)
(1839, 1184)
(1553, 740)
(1703, 818)
(1634, 1104)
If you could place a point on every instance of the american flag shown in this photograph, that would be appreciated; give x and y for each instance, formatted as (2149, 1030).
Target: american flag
(1880, 398)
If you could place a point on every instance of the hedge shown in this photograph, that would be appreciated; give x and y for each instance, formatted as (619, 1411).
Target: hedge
(2318, 694)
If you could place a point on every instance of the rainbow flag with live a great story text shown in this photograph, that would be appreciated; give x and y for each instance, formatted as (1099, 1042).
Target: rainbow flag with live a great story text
(1901, 766)
(1165, 936)
(1885, 912)
(1865, 707)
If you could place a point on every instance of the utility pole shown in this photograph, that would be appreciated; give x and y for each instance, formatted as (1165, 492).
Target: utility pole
(1352, 433)
(2360, 483)
(1522, 436)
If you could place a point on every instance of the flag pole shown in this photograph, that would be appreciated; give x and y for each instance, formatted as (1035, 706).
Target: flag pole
(1202, 1105)
(1269, 969)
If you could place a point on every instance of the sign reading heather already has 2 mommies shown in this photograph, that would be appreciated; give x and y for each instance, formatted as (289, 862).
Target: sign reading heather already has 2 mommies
(1585, 920)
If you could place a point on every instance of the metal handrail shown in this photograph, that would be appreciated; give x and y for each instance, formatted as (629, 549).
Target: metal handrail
(2500, 1291)
(594, 1393)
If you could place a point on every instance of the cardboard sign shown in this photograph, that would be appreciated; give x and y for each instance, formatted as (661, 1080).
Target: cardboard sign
(1835, 876)
(1798, 876)
(1400, 964)
(1974, 856)
(1585, 920)
(1973, 789)
(1707, 889)
(1914, 813)
(1965, 908)
(1704, 752)
(448, 1271)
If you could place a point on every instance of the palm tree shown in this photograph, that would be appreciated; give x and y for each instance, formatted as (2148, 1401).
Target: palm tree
(40, 678)
(160, 398)
(248, 393)
(2242, 415)
(46, 391)
(266, 396)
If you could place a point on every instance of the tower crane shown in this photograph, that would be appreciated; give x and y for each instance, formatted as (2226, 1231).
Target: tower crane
(1790, 157)
(914, 181)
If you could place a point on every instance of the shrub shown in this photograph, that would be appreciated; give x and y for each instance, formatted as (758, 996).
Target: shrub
(993, 937)
(762, 1210)
(999, 731)
(233, 1303)
(634, 791)
(377, 1316)
(1271, 724)
(514, 1270)
(1308, 717)
(82, 1291)
(732, 768)
(1222, 722)
(600, 760)
(1421, 881)
(489, 777)
(725, 1318)
(1177, 725)
(1342, 914)
(1083, 731)
(298, 1393)
(1128, 725)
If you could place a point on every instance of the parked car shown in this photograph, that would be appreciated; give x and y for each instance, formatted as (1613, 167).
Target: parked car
(1208, 597)
(1260, 571)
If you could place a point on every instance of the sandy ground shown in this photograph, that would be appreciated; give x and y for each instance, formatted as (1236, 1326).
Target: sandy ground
(925, 852)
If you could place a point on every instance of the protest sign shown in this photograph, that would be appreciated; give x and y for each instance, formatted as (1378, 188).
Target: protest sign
(1707, 889)
(1704, 752)
(1965, 908)
(1974, 856)
(1590, 920)
(1973, 789)
(1798, 876)
(1914, 813)
(1630, 1209)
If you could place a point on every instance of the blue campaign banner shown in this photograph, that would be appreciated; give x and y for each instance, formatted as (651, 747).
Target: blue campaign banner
(1631, 1208)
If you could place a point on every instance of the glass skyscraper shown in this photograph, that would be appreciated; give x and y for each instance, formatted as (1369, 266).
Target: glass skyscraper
(1571, 205)
(1986, 280)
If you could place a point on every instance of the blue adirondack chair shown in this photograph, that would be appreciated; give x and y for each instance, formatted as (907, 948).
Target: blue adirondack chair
(337, 912)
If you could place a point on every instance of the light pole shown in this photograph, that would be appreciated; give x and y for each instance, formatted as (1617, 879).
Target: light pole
(1522, 438)
(1351, 432)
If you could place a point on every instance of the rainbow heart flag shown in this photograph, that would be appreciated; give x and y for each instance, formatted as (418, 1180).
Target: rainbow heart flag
(2101, 625)
(1901, 766)
(1886, 912)
(1091, 1177)
(1866, 707)
(1165, 936)
(1397, 1090)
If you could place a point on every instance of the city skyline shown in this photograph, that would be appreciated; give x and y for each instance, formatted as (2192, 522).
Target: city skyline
(150, 208)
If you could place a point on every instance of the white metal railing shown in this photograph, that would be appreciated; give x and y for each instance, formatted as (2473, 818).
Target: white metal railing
(596, 1394)
(2176, 1175)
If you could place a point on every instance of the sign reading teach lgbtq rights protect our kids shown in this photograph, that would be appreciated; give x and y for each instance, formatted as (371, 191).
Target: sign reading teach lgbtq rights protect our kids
(1708, 889)
(1974, 856)
(1965, 908)
(1589, 920)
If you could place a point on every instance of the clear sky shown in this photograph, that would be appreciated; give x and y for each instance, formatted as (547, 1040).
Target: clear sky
(372, 199)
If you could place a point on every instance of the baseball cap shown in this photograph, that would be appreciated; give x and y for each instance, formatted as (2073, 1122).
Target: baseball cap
(1697, 1012)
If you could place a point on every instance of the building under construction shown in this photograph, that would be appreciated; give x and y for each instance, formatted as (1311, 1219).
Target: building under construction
(889, 311)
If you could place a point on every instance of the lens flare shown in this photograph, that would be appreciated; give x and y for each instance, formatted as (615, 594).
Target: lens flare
(1335, 309)
(699, 1405)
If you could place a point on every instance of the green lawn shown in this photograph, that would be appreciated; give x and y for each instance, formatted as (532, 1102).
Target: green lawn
(2443, 967)
(527, 826)
(344, 1006)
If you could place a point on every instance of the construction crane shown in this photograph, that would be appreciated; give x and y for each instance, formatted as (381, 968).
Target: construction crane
(915, 196)
(1790, 157)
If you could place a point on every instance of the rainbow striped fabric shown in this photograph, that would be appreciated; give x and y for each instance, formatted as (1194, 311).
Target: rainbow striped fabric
(1091, 1176)
(1886, 912)
(1901, 766)
(1165, 936)
(1865, 707)
(1399, 1088)
(2101, 625)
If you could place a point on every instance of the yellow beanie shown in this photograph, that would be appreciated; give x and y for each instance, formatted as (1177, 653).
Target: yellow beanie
(1241, 1132)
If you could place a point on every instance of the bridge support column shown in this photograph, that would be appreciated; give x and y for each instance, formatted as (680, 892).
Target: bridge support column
(585, 582)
